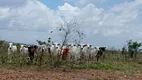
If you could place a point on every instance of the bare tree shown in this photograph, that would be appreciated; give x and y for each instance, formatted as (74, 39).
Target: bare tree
(70, 31)
(80, 36)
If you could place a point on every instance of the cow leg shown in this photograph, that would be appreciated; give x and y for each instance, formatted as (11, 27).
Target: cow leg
(35, 58)
(21, 58)
(88, 59)
(31, 56)
(97, 58)
(77, 60)
(40, 58)
(9, 58)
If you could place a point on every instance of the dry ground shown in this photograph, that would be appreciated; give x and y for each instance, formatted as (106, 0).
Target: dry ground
(6, 74)
(14, 72)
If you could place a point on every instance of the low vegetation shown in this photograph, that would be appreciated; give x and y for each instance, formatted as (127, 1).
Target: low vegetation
(112, 60)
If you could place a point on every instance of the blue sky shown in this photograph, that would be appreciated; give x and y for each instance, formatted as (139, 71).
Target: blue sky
(53, 4)
(107, 23)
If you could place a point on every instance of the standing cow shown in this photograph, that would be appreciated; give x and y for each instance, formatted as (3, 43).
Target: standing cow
(12, 49)
(23, 52)
(32, 51)
(100, 52)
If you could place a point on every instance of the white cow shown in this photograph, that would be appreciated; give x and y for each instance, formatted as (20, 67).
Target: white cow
(11, 50)
(94, 51)
(75, 52)
(23, 50)
(58, 49)
(42, 48)
(55, 49)
(86, 51)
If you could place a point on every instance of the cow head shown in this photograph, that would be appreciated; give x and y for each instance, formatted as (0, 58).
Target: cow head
(102, 48)
(69, 45)
(22, 46)
(74, 45)
(10, 45)
(35, 46)
(84, 45)
(32, 48)
(52, 43)
(98, 48)
(58, 44)
(78, 45)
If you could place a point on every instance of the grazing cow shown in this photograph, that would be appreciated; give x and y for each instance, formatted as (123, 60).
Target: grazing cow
(32, 50)
(11, 50)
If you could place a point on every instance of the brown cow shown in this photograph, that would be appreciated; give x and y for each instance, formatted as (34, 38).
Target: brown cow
(32, 50)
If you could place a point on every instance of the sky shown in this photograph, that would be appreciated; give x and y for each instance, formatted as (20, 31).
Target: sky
(107, 23)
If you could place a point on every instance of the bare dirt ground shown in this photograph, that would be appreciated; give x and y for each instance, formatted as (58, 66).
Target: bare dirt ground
(70, 75)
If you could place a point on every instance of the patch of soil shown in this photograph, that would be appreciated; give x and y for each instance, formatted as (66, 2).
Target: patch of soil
(70, 75)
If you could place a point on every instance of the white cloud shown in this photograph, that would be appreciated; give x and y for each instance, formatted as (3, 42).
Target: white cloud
(119, 23)
(33, 16)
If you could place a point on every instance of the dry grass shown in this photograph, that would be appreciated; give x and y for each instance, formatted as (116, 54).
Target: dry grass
(111, 67)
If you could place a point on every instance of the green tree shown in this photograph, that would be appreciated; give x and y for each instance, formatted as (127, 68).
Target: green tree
(44, 43)
(133, 48)
(1, 42)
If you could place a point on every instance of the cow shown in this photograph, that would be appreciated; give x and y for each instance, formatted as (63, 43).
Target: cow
(11, 50)
(94, 51)
(64, 52)
(23, 50)
(52, 49)
(32, 51)
(78, 54)
(55, 49)
(100, 52)
(85, 52)
(75, 53)
(43, 48)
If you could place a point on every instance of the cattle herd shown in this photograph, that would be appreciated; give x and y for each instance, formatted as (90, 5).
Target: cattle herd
(71, 52)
